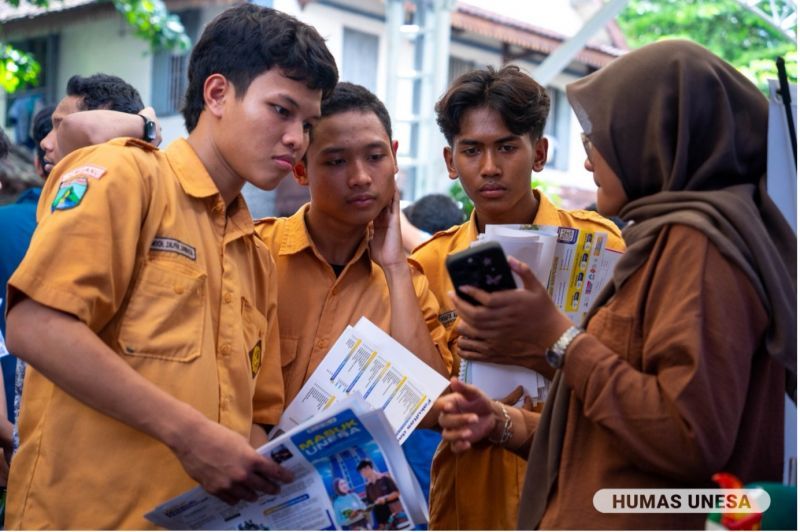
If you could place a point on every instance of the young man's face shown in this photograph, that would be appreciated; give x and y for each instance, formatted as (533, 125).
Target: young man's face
(263, 134)
(350, 168)
(52, 153)
(367, 473)
(495, 166)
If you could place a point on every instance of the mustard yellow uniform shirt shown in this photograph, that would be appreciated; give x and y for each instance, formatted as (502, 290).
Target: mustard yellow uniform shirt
(137, 244)
(315, 306)
(480, 489)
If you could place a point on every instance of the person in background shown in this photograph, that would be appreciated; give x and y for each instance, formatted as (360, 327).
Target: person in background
(428, 215)
(493, 121)
(145, 306)
(680, 369)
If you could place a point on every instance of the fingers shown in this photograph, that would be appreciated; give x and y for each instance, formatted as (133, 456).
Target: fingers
(523, 270)
(513, 397)
(527, 404)
(267, 468)
(455, 423)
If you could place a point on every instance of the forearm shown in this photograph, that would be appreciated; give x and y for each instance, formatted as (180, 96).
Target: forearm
(88, 128)
(407, 323)
(72, 356)
(521, 429)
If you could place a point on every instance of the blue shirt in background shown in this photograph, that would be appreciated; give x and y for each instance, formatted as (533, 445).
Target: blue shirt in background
(18, 221)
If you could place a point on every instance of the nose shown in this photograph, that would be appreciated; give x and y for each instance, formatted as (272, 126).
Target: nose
(588, 165)
(359, 176)
(295, 136)
(48, 142)
(489, 166)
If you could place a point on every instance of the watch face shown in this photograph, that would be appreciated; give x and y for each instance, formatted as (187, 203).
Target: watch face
(553, 358)
(149, 131)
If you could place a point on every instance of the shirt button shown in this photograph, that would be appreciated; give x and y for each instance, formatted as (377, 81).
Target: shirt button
(225, 349)
(228, 297)
(178, 289)
(218, 208)
(322, 344)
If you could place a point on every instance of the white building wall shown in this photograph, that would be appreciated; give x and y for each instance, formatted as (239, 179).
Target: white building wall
(105, 44)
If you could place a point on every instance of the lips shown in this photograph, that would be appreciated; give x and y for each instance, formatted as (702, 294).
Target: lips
(491, 190)
(285, 161)
(362, 200)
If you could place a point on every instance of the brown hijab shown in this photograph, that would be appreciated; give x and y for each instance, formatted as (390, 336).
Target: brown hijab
(687, 136)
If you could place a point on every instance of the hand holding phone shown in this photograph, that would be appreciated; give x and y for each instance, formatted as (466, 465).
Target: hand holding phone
(483, 266)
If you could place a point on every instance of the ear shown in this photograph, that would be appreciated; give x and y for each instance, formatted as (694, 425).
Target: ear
(395, 144)
(540, 154)
(447, 153)
(215, 90)
(299, 173)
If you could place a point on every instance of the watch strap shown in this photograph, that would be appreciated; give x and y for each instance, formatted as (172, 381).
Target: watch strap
(555, 355)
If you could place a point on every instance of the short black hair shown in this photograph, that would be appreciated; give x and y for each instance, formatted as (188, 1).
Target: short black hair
(104, 91)
(247, 40)
(348, 96)
(42, 125)
(523, 103)
(5, 144)
(434, 212)
(365, 463)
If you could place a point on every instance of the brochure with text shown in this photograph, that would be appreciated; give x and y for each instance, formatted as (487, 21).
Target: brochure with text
(350, 474)
(367, 362)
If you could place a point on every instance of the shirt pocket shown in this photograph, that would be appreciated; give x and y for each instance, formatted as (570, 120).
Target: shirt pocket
(615, 331)
(288, 350)
(165, 317)
(254, 332)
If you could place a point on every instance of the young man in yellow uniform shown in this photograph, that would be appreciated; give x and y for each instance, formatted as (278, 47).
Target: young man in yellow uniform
(493, 122)
(145, 306)
(340, 257)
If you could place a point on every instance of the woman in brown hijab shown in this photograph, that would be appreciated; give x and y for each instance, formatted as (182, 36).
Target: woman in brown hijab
(680, 368)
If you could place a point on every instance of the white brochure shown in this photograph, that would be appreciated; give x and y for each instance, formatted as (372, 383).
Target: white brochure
(366, 361)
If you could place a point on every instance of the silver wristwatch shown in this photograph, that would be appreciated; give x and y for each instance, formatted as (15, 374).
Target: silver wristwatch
(555, 355)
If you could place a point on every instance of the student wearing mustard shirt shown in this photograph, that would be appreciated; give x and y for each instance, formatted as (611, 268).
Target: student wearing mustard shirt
(145, 306)
(340, 257)
(493, 121)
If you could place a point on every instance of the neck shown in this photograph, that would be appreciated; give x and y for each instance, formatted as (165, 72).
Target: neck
(227, 181)
(336, 242)
(522, 213)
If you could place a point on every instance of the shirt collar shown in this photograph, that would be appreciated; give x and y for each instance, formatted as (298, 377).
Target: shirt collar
(196, 182)
(191, 173)
(30, 196)
(546, 214)
(296, 237)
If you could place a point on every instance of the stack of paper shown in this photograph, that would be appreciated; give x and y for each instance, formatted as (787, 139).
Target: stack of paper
(573, 264)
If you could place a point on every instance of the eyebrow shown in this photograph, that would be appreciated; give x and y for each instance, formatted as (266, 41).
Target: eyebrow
(339, 149)
(473, 142)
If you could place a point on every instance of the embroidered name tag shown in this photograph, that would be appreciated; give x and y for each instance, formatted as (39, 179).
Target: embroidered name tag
(161, 243)
(89, 170)
(447, 318)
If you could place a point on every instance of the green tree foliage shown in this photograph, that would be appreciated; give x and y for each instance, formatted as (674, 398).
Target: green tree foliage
(725, 27)
(149, 19)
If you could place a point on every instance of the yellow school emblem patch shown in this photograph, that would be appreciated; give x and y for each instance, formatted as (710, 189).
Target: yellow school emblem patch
(255, 358)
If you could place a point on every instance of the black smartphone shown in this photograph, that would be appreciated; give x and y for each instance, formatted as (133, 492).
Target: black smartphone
(483, 266)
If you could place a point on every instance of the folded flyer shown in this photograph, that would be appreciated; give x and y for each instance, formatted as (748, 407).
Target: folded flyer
(367, 362)
(350, 474)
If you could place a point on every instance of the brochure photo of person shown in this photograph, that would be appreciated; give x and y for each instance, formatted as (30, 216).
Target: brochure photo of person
(354, 471)
(384, 498)
(351, 512)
